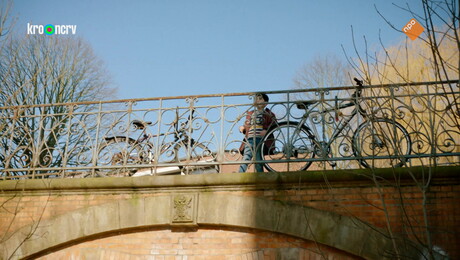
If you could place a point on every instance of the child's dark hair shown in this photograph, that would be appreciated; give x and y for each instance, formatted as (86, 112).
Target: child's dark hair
(264, 96)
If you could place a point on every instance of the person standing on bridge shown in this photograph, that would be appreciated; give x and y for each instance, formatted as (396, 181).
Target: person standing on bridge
(257, 122)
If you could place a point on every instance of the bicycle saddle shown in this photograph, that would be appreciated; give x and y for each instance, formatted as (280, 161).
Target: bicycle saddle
(140, 124)
(305, 104)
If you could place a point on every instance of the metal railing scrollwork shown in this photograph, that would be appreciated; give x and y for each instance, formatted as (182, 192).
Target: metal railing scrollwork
(399, 125)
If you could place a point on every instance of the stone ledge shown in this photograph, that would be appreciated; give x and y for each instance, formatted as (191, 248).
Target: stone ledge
(360, 177)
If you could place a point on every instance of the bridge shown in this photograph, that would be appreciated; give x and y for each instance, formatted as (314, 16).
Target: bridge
(367, 172)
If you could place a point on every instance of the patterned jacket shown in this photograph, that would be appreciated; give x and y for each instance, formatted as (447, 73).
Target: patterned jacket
(269, 120)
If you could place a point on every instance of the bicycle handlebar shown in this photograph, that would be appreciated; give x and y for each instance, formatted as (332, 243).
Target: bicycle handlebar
(358, 82)
(359, 87)
(183, 126)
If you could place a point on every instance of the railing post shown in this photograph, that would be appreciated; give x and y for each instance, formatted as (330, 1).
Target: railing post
(189, 147)
(96, 142)
(69, 130)
(288, 114)
(432, 119)
(324, 153)
(157, 148)
(393, 118)
(220, 145)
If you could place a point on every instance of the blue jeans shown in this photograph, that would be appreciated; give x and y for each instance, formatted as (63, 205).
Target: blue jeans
(253, 145)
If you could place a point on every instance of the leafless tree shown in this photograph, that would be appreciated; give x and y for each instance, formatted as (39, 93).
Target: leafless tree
(433, 56)
(42, 77)
(431, 115)
(323, 71)
(5, 22)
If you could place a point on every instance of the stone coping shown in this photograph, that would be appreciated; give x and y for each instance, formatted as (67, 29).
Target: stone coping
(359, 177)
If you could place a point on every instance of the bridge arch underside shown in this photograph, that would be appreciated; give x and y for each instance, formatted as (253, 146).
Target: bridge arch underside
(260, 226)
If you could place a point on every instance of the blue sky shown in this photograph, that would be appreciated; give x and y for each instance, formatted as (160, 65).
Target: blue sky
(193, 47)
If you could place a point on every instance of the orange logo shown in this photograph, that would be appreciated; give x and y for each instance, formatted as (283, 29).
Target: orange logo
(413, 29)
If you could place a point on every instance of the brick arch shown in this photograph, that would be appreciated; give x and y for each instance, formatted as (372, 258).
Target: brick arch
(207, 242)
(206, 209)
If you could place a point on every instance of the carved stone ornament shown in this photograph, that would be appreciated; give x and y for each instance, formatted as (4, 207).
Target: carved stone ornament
(183, 208)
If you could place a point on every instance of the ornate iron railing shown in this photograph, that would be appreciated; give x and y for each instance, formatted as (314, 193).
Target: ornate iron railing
(396, 125)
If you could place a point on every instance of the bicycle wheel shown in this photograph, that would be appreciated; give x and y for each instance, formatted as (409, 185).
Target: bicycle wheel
(381, 143)
(118, 154)
(197, 159)
(289, 146)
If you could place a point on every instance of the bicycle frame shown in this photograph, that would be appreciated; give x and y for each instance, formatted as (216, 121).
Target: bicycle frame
(302, 143)
(180, 134)
(344, 122)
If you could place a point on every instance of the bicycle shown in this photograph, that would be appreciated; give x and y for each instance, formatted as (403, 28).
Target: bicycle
(376, 142)
(126, 153)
